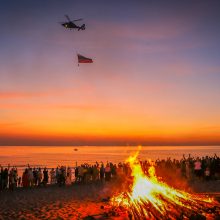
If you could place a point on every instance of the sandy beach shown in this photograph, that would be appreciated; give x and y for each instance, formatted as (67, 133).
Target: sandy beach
(53, 202)
(71, 202)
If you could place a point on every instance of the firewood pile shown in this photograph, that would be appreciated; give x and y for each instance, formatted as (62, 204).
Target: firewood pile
(204, 211)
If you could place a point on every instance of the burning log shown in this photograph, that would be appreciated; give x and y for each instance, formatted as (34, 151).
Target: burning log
(149, 198)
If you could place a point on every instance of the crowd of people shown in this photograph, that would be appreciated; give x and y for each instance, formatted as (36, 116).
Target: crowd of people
(205, 168)
(31, 177)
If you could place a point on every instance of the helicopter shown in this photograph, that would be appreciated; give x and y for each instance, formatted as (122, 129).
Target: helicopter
(71, 25)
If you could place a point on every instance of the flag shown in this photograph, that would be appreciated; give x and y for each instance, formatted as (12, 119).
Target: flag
(82, 59)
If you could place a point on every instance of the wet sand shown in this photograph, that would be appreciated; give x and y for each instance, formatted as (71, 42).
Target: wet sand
(69, 202)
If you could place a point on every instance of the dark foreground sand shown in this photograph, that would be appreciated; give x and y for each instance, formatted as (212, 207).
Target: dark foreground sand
(53, 202)
(69, 202)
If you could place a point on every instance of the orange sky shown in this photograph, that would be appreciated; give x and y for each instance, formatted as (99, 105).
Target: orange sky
(108, 124)
(155, 77)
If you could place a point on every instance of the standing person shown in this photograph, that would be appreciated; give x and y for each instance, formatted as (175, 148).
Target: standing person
(1, 172)
(81, 173)
(119, 171)
(58, 175)
(187, 164)
(107, 172)
(95, 173)
(102, 172)
(197, 167)
(63, 175)
(52, 176)
(30, 177)
(11, 180)
(25, 178)
(85, 174)
(183, 166)
(69, 176)
(39, 178)
(16, 176)
(45, 176)
(76, 174)
(35, 175)
(5, 178)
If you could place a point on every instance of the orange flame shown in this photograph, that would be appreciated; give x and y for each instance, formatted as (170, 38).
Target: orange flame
(149, 198)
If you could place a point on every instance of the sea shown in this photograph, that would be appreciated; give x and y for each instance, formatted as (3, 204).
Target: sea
(53, 156)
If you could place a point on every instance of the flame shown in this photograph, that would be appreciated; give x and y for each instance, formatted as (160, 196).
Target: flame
(149, 198)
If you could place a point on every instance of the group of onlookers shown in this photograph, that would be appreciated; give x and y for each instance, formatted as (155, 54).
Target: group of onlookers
(34, 177)
(8, 178)
(204, 168)
(90, 173)
(61, 175)
(207, 168)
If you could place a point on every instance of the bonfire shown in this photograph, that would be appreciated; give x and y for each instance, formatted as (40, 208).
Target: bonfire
(147, 197)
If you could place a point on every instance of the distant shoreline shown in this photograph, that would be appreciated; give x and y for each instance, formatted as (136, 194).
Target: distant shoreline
(120, 145)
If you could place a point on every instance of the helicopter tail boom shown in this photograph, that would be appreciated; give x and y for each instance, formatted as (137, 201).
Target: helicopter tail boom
(83, 27)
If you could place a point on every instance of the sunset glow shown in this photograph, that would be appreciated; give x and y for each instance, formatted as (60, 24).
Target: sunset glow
(155, 77)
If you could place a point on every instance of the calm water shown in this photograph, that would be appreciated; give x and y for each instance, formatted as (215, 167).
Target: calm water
(52, 156)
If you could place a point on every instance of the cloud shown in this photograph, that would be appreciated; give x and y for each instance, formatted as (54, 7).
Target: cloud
(187, 68)
(145, 37)
(10, 124)
(19, 95)
(26, 106)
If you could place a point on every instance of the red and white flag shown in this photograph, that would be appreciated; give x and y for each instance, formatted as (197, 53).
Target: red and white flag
(82, 59)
